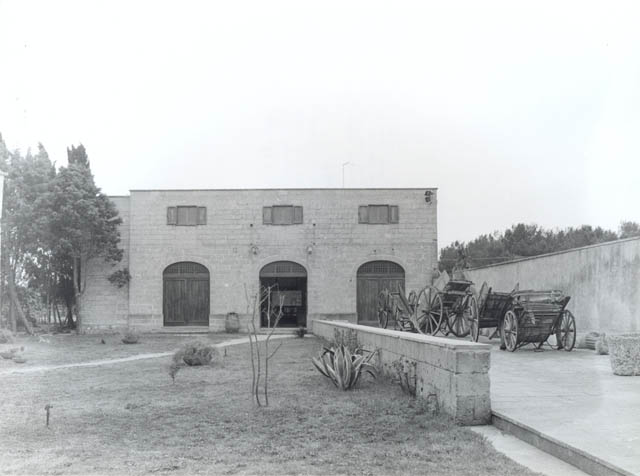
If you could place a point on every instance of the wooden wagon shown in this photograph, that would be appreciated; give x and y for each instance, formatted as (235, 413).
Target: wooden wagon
(410, 313)
(492, 307)
(536, 315)
(430, 311)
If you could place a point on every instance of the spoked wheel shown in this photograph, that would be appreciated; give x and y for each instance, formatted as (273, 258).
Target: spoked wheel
(566, 334)
(458, 320)
(474, 319)
(384, 308)
(510, 331)
(422, 307)
(436, 316)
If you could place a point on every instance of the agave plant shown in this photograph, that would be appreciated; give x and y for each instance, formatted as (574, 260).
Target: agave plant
(343, 367)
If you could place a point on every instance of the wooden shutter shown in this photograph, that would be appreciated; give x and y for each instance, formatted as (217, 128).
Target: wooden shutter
(172, 216)
(394, 214)
(363, 214)
(192, 213)
(297, 215)
(379, 214)
(267, 215)
(282, 214)
(202, 215)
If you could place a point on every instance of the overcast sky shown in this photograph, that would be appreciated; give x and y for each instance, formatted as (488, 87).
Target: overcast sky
(515, 111)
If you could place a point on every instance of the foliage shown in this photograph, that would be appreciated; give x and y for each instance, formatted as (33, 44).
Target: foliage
(522, 240)
(406, 373)
(195, 353)
(6, 337)
(629, 229)
(130, 336)
(300, 332)
(602, 347)
(120, 278)
(84, 223)
(26, 233)
(343, 367)
(347, 338)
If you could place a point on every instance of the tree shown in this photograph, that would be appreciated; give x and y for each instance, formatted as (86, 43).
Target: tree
(25, 221)
(526, 240)
(629, 229)
(84, 224)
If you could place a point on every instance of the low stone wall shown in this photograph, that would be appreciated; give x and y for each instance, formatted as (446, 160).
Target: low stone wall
(457, 372)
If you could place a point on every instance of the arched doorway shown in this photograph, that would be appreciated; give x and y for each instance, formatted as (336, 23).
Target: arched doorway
(373, 277)
(288, 284)
(186, 294)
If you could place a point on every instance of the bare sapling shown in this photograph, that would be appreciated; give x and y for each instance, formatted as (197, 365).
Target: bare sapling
(262, 303)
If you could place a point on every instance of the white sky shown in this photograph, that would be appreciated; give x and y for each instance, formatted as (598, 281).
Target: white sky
(515, 111)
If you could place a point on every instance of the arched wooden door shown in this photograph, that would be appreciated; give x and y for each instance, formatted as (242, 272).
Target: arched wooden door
(373, 277)
(186, 295)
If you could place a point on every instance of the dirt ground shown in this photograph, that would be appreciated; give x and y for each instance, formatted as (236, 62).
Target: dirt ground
(129, 418)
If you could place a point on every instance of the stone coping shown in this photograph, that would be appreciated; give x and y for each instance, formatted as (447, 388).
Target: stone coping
(448, 343)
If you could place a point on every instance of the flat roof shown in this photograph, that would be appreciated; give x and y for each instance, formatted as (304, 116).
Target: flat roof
(272, 189)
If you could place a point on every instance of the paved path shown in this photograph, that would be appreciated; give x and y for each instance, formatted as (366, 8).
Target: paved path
(572, 397)
(96, 363)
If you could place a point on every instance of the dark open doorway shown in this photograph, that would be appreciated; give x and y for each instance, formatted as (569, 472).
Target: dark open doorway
(288, 283)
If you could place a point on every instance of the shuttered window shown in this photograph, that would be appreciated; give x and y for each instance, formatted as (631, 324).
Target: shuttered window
(186, 216)
(378, 214)
(282, 215)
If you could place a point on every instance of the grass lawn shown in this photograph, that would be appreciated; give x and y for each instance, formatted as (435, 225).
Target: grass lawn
(62, 349)
(129, 418)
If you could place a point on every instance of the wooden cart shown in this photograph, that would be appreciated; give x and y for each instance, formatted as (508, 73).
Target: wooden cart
(536, 315)
(412, 313)
(430, 311)
(492, 307)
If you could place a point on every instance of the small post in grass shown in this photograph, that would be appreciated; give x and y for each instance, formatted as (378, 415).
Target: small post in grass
(48, 408)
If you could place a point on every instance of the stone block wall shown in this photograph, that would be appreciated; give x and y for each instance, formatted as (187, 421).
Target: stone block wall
(105, 307)
(456, 372)
(339, 246)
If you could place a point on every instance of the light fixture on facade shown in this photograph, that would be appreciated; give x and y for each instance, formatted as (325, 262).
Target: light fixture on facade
(254, 250)
(309, 249)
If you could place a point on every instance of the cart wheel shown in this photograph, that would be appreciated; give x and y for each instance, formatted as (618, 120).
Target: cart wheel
(458, 320)
(510, 331)
(422, 308)
(384, 308)
(566, 335)
(474, 319)
(436, 314)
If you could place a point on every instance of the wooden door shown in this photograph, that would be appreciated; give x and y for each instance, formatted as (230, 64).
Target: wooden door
(372, 278)
(186, 295)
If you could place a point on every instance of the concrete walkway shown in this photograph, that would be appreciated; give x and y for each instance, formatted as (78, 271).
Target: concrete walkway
(96, 363)
(573, 400)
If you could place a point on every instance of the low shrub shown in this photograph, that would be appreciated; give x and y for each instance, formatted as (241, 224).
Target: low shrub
(195, 353)
(343, 367)
(300, 332)
(602, 348)
(130, 337)
(6, 337)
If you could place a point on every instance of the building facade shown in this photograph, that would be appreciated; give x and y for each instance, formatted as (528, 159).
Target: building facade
(196, 255)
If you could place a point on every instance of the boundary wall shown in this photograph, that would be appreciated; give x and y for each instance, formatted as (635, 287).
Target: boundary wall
(456, 372)
(603, 281)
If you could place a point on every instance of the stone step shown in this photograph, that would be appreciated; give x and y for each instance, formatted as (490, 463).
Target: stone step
(588, 463)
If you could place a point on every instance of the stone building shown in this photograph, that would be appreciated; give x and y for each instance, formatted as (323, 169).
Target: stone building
(195, 255)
